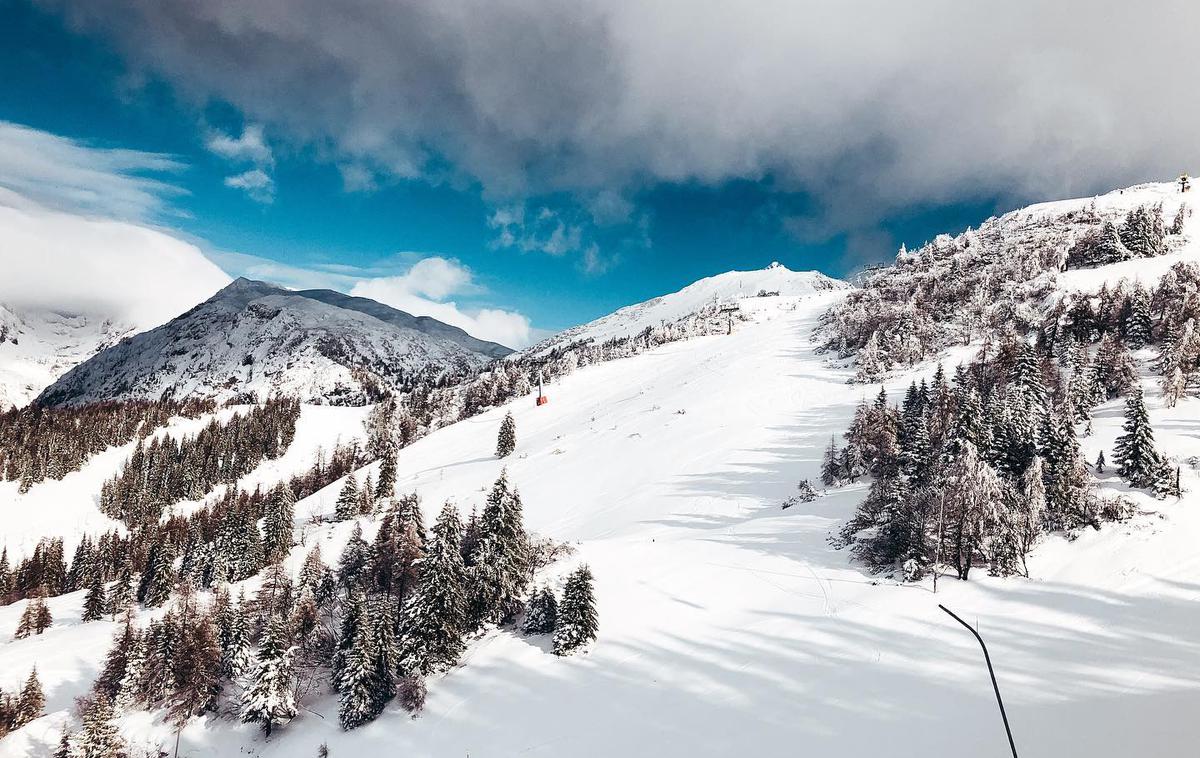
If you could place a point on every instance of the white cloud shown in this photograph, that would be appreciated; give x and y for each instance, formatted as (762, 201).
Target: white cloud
(423, 289)
(544, 231)
(250, 148)
(869, 105)
(256, 182)
(77, 265)
(58, 172)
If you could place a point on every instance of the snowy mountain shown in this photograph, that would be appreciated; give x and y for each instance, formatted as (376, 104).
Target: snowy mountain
(37, 347)
(253, 337)
(727, 624)
(726, 288)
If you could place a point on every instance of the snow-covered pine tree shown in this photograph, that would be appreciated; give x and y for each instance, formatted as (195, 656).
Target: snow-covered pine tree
(434, 617)
(355, 557)
(129, 689)
(357, 683)
(121, 596)
(506, 440)
(1180, 217)
(1069, 503)
(1137, 326)
(232, 634)
(278, 523)
(117, 660)
(385, 650)
(386, 486)
(871, 361)
(1031, 513)
(500, 571)
(99, 737)
(541, 613)
(831, 465)
(1107, 247)
(1138, 461)
(267, 699)
(576, 624)
(1100, 463)
(347, 506)
(32, 703)
(972, 492)
(94, 601)
(354, 622)
(159, 577)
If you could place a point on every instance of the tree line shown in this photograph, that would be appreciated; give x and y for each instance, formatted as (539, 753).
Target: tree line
(38, 443)
(371, 627)
(166, 470)
(973, 470)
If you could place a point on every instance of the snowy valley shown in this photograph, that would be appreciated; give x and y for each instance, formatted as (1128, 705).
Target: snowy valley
(675, 430)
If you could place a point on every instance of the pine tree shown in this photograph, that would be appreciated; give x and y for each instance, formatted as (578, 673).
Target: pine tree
(268, 699)
(576, 624)
(1100, 463)
(354, 624)
(121, 596)
(972, 492)
(129, 689)
(434, 618)
(117, 660)
(501, 565)
(35, 619)
(32, 703)
(354, 560)
(1031, 514)
(541, 613)
(99, 737)
(95, 601)
(233, 637)
(1137, 325)
(831, 465)
(506, 441)
(279, 523)
(347, 506)
(357, 682)
(6, 577)
(872, 362)
(386, 486)
(1137, 457)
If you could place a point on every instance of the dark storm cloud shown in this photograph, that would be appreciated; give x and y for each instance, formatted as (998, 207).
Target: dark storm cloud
(868, 105)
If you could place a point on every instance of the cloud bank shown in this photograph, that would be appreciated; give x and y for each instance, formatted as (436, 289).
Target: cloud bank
(869, 105)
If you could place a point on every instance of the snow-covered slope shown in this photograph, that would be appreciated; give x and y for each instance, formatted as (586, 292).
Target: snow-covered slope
(253, 337)
(727, 625)
(37, 347)
(728, 287)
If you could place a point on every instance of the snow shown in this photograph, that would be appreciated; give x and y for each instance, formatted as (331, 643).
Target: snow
(727, 625)
(68, 508)
(722, 288)
(254, 337)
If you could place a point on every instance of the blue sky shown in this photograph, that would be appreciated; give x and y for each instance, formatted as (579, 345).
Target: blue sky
(558, 216)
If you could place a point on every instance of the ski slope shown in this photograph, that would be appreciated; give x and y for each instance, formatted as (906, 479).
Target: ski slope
(727, 625)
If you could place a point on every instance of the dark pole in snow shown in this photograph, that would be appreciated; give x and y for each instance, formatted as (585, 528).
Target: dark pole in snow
(988, 659)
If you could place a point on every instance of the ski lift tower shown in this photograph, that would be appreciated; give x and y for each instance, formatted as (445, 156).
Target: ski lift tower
(728, 310)
(541, 398)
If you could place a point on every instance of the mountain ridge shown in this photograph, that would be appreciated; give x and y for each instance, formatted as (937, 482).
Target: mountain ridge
(255, 337)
